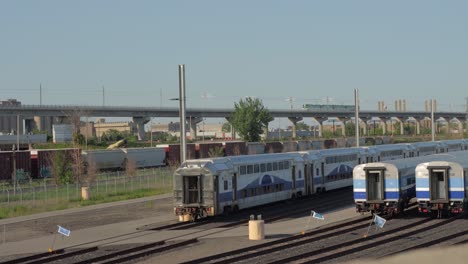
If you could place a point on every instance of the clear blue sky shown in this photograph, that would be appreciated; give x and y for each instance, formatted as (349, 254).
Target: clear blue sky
(307, 50)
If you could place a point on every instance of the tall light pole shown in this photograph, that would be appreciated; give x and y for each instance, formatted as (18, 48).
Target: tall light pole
(103, 96)
(183, 143)
(356, 115)
(432, 120)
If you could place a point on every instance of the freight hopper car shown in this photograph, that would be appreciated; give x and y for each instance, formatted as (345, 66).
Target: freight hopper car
(217, 186)
(442, 185)
(387, 187)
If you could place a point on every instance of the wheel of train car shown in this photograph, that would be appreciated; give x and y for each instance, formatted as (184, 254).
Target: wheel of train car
(235, 208)
(227, 210)
(324, 189)
(293, 196)
(194, 217)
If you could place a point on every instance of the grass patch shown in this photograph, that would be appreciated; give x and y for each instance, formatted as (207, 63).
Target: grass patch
(31, 207)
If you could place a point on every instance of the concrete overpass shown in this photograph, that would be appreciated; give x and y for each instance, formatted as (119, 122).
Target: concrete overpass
(142, 115)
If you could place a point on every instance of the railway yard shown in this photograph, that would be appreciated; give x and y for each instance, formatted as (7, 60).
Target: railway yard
(146, 231)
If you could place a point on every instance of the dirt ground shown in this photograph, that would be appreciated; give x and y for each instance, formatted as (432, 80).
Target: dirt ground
(102, 215)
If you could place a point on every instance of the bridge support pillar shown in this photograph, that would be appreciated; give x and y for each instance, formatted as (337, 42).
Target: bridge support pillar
(364, 127)
(294, 121)
(400, 120)
(343, 126)
(140, 124)
(460, 125)
(233, 130)
(383, 124)
(418, 127)
(193, 121)
(320, 121)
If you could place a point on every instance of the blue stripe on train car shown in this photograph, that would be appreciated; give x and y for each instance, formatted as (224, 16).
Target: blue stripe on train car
(359, 184)
(391, 183)
(317, 180)
(360, 195)
(452, 194)
(456, 194)
(422, 194)
(422, 182)
(300, 184)
(225, 197)
(391, 195)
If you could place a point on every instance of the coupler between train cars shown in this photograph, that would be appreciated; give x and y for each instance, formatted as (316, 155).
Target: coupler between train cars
(386, 208)
(194, 212)
(456, 207)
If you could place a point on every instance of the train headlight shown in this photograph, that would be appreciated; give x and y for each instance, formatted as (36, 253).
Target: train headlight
(451, 203)
(387, 203)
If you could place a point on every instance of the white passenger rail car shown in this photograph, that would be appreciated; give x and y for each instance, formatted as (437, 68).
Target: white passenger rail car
(442, 185)
(387, 187)
(216, 186)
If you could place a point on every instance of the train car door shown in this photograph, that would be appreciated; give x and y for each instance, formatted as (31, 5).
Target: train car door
(309, 171)
(293, 178)
(234, 187)
(438, 183)
(192, 189)
(375, 184)
(215, 194)
(323, 175)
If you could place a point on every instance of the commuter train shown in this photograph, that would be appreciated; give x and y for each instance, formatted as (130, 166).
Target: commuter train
(442, 185)
(214, 186)
(388, 187)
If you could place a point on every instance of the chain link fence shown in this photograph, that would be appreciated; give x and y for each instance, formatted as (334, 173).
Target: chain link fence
(45, 195)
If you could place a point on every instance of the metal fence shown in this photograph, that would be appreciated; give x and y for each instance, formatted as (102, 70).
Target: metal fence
(45, 193)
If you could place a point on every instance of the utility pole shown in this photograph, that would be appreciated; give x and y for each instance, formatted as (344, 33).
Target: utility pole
(103, 96)
(466, 117)
(432, 119)
(183, 143)
(356, 114)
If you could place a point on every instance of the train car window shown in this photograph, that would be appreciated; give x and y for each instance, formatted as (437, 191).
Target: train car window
(318, 172)
(244, 193)
(225, 185)
(281, 165)
(269, 167)
(249, 169)
(275, 166)
(286, 165)
(260, 190)
(262, 167)
(256, 168)
(264, 189)
(242, 170)
(299, 174)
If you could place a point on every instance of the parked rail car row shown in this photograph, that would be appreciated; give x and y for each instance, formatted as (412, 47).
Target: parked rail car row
(38, 163)
(235, 148)
(213, 186)
(438, 182)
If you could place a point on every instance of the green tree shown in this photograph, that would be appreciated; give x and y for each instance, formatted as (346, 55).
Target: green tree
(78, 139)
(302, 126)
(226, 127)
(249, 119)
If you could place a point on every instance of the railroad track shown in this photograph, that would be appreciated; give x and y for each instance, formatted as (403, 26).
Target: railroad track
(317, 251)
(70, 254)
